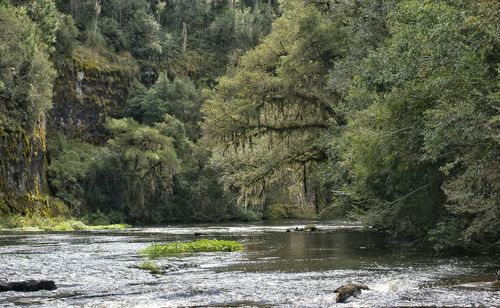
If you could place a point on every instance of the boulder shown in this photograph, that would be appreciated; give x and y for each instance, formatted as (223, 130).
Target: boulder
(348, 290)
(28, 286)
(308, 228)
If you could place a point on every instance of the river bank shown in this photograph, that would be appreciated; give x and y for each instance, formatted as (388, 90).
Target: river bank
(39, 223)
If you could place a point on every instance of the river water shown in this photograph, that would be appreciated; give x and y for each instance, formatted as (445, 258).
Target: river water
(277, 268)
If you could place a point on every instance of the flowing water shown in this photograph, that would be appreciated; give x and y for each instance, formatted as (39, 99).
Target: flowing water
(277, 268)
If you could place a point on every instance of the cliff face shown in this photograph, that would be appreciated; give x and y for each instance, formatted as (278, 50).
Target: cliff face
(22, 169)
(26, 76)
(89, 88)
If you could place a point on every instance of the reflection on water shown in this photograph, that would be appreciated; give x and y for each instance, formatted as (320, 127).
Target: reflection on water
(315, 251)
(278, 268)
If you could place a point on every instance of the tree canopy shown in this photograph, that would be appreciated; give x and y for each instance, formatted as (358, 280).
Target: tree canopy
(388, 108)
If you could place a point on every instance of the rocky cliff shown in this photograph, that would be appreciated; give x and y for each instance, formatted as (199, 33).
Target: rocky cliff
(89, 87)
(22, 169)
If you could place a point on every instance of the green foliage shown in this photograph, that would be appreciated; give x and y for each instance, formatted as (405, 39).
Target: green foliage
(142, 147)
(156, 250)
(132, 174)
(71, 163)
(289, 211)
(44, 13)
(150, 171)
(144, 174)
(174, 106)
(66, 35)
(26, 74)
(426, 128)
(139, 172)
(384, 110)
(110, 218)
(95, 62)
(178, 98)
(266, 115)
(240, 29)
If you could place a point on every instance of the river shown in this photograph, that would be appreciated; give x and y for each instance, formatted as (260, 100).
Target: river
(277, 268)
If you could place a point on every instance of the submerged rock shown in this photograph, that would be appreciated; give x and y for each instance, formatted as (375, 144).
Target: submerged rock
(28, 286)
(308, 228)
(348, 290)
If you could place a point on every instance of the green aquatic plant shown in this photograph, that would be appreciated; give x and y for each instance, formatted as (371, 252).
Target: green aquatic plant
(152, 267)
(205, 245)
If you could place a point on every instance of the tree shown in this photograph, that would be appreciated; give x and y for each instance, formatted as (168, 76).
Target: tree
(178, 97)
(132, 174)
(71, 163)
(26, 74)
(426, 132)
(275, 99)
(44, 13)
(148, 162)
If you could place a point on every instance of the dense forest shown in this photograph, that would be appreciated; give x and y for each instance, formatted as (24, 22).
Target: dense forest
(151, 111)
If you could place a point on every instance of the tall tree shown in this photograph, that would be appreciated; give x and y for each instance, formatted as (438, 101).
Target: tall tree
(428, 129)
(273, 106)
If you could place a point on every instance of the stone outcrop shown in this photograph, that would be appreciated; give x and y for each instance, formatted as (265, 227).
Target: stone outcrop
(348, 290)
(89, 88)
(23, 186)
(28, 286)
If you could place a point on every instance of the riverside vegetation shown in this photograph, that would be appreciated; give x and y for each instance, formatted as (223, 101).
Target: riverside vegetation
(38, 222)
(151, 111)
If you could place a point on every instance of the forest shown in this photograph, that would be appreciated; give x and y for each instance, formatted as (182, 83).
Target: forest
(148, 112)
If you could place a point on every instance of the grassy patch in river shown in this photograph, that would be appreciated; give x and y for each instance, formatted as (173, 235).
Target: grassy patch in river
(205, 245)
(152, 267)
(38, 222)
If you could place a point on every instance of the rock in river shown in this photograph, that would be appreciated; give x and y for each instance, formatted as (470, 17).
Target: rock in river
(348, 290)
(28, 286)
